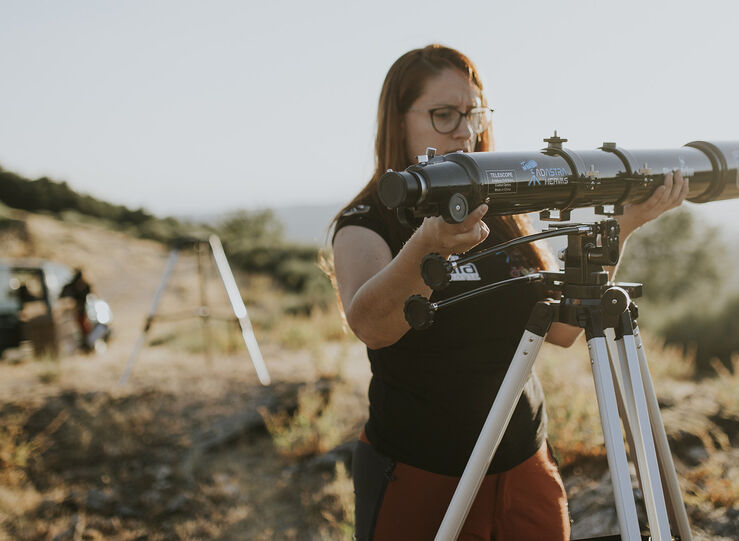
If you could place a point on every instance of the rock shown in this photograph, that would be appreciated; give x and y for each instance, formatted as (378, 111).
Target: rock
(177, 504)
(124, 511)
(99, 501)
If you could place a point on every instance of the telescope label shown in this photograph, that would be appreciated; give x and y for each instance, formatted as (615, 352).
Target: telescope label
(465, 273)
(501, 181)
(552, 175)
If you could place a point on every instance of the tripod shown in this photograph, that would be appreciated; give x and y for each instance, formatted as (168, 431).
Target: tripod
(623, 385)
(213, 244)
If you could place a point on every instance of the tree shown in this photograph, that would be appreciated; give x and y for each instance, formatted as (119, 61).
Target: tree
(675, 257)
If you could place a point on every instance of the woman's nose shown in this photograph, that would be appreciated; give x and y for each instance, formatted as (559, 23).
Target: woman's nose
(464, 130)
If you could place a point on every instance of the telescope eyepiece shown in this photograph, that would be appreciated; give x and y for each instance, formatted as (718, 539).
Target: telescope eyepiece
(399, 189)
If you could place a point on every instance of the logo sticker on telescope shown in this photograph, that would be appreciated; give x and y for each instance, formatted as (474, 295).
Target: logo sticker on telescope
(531, 167)
(465, 273)
(544, 175)
(501, 181)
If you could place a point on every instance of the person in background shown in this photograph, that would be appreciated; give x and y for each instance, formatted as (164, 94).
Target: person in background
(77, 289)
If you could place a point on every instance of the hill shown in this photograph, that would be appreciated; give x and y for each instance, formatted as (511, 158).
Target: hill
(195, 448)
(183, 451)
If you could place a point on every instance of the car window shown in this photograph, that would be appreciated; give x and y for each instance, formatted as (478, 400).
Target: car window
(57, 276)
(9, 302)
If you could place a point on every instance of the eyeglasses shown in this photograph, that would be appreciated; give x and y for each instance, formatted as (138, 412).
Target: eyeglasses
(447, 119)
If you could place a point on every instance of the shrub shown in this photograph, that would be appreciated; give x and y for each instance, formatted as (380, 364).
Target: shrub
(712, 335)
(682, 263)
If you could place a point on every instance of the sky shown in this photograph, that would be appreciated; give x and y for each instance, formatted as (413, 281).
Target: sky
(191, 108)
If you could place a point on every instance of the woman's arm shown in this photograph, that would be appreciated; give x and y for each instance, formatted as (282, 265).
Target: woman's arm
(666, 197)
(373, 286)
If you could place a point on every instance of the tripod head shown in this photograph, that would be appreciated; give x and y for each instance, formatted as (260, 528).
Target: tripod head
(590, 247)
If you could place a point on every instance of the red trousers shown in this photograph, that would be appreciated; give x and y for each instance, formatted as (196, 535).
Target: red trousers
(525, 503)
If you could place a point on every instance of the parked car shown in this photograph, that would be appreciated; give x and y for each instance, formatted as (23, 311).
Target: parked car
(33, 310)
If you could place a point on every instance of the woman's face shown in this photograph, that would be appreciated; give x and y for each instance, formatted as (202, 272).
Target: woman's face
(450, 88)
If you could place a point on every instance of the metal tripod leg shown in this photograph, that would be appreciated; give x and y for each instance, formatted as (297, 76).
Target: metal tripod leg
(491, 434)
(203, 310)
(639, 420)
(618, 382)
(239, 308)
(623, 412)
(667, 466)
(615, 450)
(168, 269)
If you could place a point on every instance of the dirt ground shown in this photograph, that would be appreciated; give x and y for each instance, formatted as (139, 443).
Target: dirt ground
(181, 451)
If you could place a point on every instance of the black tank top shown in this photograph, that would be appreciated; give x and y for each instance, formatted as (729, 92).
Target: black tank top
(431, 391)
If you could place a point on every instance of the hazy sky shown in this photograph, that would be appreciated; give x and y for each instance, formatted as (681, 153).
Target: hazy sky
(190, 107)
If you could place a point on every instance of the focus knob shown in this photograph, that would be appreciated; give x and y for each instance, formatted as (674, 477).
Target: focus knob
(419, 312)
(436, 271)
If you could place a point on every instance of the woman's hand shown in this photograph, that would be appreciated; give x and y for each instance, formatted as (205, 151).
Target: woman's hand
(668, 196)
(374, 286)
(446, 239)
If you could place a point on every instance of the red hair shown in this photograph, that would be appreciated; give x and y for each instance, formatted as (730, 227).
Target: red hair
(404, 84)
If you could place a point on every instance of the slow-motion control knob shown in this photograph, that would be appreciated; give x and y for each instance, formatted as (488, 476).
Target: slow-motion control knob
(419, 312)
(436, 271)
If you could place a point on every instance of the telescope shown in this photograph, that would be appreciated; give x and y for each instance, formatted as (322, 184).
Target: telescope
(555, 180)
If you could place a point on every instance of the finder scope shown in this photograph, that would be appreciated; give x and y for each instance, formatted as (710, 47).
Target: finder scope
(556, 179)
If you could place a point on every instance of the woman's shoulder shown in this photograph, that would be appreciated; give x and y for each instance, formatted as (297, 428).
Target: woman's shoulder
(371, 215)
(362, 214)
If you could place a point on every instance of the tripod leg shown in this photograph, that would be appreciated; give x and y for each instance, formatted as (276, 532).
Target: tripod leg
(168, 269)
(643, 443)
(615, 450)
(239, 308)
(623, 412)
(667, 466)
(203, 311)
(496, 422)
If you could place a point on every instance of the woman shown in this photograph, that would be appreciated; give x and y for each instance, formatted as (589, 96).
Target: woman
(431, 390)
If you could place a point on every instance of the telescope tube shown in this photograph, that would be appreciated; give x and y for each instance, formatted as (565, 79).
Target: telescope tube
(556, 178)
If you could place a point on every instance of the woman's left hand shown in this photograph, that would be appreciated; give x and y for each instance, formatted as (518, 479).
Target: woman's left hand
(668, 196)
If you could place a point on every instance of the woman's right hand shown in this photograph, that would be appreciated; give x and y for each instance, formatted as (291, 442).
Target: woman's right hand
(446, 239)
(374, 286)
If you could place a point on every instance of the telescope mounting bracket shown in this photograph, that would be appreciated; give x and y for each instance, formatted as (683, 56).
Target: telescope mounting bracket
(582, 177)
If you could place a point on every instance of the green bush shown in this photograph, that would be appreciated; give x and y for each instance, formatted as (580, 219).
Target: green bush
(712, 335)
(57, 198)
(254, 242)
(682, 263)
(675, 256)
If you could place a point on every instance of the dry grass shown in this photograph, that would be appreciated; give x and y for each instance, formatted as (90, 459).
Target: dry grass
(701, 419)
(566, 375)
(80, 457)
(336, 500)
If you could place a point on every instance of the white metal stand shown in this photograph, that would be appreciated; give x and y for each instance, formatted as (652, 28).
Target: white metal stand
(234, 297)
(643, 425)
